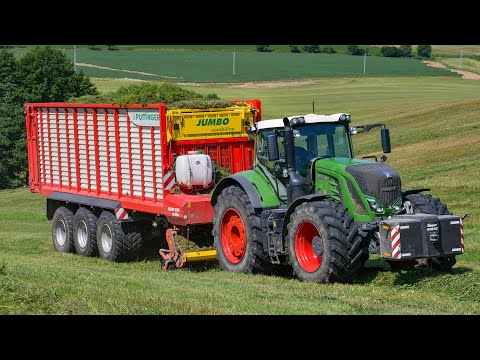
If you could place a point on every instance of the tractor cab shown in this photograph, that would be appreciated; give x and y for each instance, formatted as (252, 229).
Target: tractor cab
(315, 137)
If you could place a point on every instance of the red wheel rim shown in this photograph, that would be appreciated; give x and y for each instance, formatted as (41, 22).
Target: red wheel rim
(304, 250)
(234, 238)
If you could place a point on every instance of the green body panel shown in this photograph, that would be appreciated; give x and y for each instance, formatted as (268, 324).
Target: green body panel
(326, 170)
(263, 187)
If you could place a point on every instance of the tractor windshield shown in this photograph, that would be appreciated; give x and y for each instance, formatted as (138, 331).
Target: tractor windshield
(319, 140)
(311, 141)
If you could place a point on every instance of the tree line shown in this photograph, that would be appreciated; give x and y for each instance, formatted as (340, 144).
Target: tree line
(423, 51)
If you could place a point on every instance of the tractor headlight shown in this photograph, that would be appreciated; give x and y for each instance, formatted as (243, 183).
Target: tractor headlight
(374, 206)
(297, 120)
(342, 117)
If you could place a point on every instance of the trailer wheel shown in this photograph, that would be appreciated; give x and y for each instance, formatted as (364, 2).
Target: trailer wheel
(237, 233)
(115, 241)
(62, 230)
(85, 232)
(430, 205)
(323, 243)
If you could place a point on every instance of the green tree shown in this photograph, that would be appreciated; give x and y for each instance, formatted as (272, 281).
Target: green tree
(12, 123)
(294, 48)
(9, 78)
(311, 48)
(48, 75)
(355, 50)
(42, 74)
(263, 48)
(390, 51)
(406, 50)
(424, 51)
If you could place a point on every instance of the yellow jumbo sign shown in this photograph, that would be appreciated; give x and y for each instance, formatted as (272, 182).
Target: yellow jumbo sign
(190, 124)
(212, 125)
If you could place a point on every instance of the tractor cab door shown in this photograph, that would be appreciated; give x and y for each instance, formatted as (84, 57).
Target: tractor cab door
(273, 170)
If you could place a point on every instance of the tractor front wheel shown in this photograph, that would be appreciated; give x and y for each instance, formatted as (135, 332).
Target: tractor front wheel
(323, 243)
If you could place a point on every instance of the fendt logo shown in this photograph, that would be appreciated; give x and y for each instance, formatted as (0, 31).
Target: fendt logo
(213, 122)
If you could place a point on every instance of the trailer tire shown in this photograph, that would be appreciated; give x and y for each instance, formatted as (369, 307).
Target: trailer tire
(62, 230)
(323, 243)
(237, 233)
(431, 205)
(115, 240)
(85, 232)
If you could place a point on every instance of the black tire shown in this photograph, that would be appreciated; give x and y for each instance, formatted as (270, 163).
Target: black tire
(135, 241)
(62, 230)
(85, 232)
(428, 204)
(343, 250)
(119, 240)
(251, 258)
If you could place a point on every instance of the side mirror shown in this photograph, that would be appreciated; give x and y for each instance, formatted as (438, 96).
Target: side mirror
(385, 134)
(272, 145)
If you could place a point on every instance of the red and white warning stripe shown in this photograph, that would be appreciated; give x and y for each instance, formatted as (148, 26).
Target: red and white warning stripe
(168, 180)
(121, 214)
(395, 236)
(461, 236)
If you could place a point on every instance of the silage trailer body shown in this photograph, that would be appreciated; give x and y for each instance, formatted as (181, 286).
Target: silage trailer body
(121, 158)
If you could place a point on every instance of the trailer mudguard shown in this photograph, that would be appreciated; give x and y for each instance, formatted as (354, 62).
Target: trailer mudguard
(79, 199)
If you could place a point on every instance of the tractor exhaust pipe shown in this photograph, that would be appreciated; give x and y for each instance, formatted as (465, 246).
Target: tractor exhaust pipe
(297, 184)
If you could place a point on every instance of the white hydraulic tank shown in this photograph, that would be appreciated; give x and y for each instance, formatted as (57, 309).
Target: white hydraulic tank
(194, 170)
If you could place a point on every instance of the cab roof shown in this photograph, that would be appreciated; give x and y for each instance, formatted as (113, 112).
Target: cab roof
(309, 119)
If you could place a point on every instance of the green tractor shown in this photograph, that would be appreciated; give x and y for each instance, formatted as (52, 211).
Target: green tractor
(309, 204)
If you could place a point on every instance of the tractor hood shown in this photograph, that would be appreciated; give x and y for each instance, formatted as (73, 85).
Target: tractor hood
(375, 179)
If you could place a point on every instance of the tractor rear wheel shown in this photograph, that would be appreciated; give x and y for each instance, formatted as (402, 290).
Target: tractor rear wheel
(237, 233)
(323, 243)
(428, 204)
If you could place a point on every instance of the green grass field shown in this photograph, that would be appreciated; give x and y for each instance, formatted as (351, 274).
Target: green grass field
(217, 66)
(435, 134)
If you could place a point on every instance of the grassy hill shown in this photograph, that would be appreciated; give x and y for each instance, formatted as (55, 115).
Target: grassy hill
(435, 134)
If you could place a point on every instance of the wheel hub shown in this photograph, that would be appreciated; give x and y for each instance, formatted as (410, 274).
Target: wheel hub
(317, 245)
(308, 247)
(61, 233)
(233, 236)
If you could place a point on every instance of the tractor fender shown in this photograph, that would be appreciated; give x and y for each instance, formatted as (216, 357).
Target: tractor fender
(298, 201)
(411, 192)
(244, 184)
